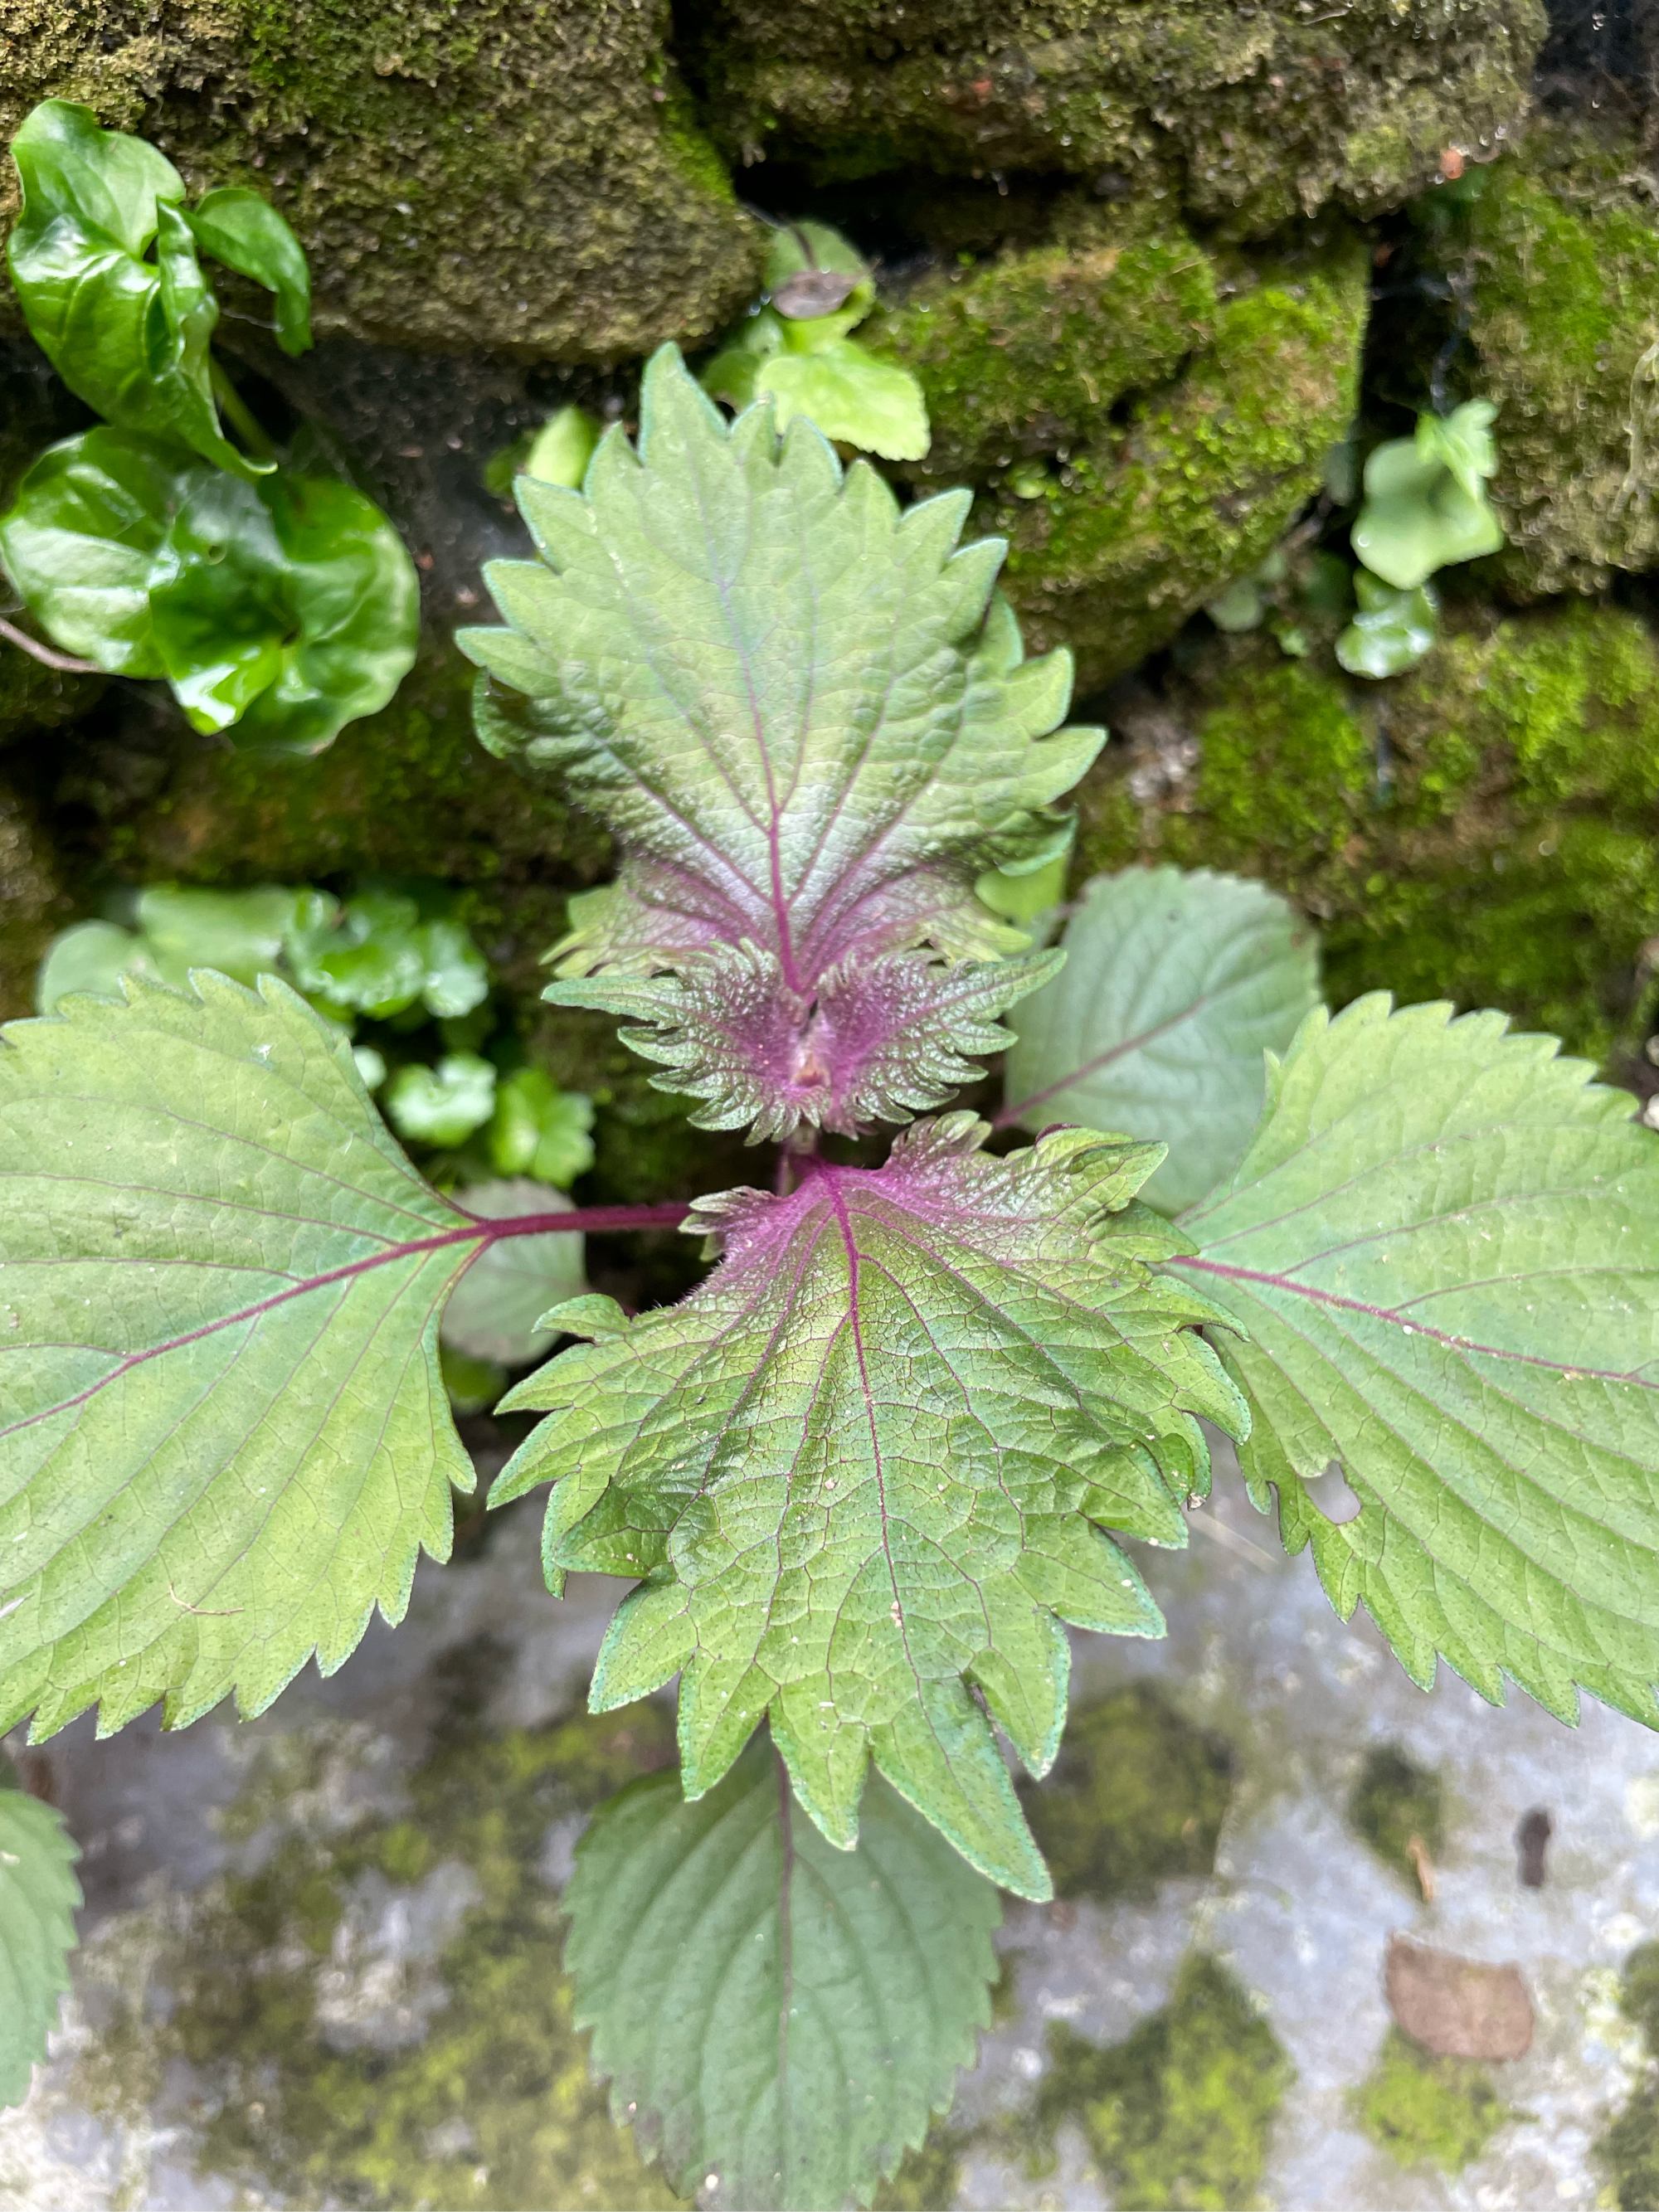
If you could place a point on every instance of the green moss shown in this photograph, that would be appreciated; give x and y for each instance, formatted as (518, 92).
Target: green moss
(1137, 1794)
(465, 179)
(1558, 259)
(1268, 110)
(1180, 2113)
(1395, 1804)
(927, 2180)
(1134, 533)
(1628, 2148)
(493, 2105)
(34, 699)
(1426, 2111)
(1031, 351)
(1483, 829)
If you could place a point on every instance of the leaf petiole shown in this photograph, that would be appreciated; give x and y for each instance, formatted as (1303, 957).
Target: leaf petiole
(236, 412)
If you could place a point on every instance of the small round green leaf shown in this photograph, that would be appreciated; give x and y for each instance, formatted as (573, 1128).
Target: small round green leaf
(1173, 987)
(38, 1899)
(1392, 629)
(772, 2011)
(441, 1105)
(288, 607)
(81, 538)
(852, 396)
(540, 1130)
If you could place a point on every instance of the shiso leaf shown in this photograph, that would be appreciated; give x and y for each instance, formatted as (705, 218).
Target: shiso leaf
(767, 2008)
(1443, 1245)
(868, 1462)
(38, 1899)
(225, 1438)
(799, 708)
(1173, 988)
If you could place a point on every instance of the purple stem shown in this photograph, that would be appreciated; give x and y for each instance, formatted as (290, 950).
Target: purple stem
(574, 1219)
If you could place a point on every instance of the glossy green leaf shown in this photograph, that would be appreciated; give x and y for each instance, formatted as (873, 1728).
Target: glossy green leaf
(225, 1436)
(868, 1462)
(801, 710)
(441, 1105)
(376, 956)
(38, 1899)
(770, 2011)
(540, 1130)
(288, 608)
(495, 1309)
(851, 395)
(1392, 629)
(1173, 987)
(128, 334)
(245, 233)
(1425, 505)
(81, 539)
(1444, 1243)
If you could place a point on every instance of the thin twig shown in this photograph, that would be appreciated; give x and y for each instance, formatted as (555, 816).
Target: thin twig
(45, 654)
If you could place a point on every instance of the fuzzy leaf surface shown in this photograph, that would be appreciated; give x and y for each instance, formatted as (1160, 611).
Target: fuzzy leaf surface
(869, 1460)
(225, 1438)
(878, 1041)
(1174, 987)
(38, 1899)
(767, 2008)
(799, 707)
(1444, 1245)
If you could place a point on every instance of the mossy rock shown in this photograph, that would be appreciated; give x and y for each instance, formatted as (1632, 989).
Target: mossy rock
(35, 699)
(1482, 830)
(527, 180)
(1428, 2110)
(1628, 2149)
(1180, 2112)
(409, 791)
(1395, 1804)
(1136, 1794)
(1128, 536)
(1556, 251)
(492, 2105)
(1031, 351)
(1271, 110)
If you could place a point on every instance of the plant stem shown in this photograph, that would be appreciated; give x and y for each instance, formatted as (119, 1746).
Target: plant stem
(579, 1220)
(45, 653)
(236, 414)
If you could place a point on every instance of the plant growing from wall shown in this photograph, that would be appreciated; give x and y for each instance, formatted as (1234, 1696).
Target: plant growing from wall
(272, 599)
(865, 1475)
(794, 348)
(1425, 508)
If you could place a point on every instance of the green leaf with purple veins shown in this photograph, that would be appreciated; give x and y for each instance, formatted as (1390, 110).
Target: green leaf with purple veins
(868, 1464)
(1442, 1244)
(799, 708)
